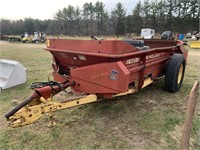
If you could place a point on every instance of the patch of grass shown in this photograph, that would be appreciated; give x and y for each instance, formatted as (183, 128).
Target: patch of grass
(171, 120)
(171, 143)
(87, 37)
(196, 132)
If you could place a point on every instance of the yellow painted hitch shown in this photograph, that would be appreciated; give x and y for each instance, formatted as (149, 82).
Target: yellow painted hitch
(31, 113)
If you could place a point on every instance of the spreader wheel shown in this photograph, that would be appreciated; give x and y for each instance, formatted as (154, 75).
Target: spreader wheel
(175, 73)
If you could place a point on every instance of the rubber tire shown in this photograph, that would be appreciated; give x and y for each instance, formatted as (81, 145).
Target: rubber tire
(171, 76)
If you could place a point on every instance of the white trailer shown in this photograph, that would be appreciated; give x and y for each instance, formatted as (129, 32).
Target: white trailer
(147, 33)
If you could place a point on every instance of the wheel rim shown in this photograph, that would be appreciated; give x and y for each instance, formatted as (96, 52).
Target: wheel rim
(180, 74)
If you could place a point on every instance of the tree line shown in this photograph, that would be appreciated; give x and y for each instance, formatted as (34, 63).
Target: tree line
(93, 19)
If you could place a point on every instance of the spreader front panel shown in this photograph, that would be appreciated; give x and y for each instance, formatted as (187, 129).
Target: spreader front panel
(101, 78)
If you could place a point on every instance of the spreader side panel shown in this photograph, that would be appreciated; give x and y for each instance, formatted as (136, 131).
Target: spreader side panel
(101, 78)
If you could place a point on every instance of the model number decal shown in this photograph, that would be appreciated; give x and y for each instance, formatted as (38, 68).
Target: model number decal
(132, 60)
(135, 60)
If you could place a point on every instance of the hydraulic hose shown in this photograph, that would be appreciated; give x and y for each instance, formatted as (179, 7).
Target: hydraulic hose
(39, 92)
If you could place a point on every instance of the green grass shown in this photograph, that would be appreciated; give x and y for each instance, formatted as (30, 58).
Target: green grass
(144, 120)
(85, 37)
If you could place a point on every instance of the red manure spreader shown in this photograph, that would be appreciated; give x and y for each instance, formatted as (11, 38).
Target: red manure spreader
(99, 69)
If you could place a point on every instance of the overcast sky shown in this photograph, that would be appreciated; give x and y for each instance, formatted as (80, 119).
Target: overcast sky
(46, 9)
